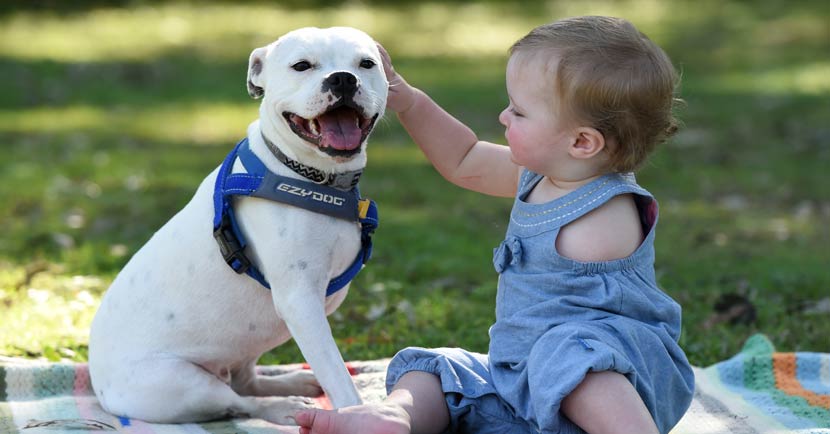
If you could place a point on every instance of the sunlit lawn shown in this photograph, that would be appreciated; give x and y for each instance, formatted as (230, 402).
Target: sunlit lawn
(109, 118)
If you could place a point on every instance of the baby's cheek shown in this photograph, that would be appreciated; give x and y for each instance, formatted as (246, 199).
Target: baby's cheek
(514, 139)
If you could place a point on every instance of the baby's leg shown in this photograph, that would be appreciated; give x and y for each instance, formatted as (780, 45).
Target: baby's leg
(605, 402)
(415, 405)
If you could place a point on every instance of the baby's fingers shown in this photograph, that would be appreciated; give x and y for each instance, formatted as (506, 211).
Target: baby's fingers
(387, 63)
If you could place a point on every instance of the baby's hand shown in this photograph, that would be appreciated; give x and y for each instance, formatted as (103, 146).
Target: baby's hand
(401, 94)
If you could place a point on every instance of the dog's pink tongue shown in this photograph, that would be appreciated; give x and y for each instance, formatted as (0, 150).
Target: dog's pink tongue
(339, 129)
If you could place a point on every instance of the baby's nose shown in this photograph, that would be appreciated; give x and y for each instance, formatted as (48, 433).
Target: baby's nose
(503, 117)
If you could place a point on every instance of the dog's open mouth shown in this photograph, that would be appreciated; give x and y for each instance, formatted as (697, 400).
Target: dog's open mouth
(338, 132)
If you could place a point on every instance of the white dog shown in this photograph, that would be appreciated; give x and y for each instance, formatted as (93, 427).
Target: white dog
(179, 332)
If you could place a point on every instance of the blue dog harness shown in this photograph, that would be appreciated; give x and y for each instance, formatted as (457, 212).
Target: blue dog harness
(260, 182)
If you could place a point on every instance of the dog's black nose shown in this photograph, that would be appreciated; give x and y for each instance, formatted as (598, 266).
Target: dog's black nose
(341, 84)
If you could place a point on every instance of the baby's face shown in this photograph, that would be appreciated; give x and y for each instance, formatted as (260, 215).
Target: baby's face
(537, 136)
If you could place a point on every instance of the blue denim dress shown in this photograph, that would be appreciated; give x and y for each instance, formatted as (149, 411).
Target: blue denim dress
(558, 319)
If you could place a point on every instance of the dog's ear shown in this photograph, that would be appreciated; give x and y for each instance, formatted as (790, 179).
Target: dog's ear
(256, 63)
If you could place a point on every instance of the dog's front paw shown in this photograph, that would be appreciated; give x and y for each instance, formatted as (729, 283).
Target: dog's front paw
(280, 410)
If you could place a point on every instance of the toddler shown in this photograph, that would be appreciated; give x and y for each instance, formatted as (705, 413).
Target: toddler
(584, 340)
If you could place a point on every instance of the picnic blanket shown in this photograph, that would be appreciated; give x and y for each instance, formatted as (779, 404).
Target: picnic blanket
(756, 391)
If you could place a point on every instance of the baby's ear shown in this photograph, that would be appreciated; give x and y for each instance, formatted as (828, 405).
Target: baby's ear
(588, 142)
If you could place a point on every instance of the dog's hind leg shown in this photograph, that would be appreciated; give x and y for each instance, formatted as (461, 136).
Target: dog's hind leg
(301, 382)
(175, 391)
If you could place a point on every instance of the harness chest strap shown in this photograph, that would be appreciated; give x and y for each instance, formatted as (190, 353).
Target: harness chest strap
(260, 182)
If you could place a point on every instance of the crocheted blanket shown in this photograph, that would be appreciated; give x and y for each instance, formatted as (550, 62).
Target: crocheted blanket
(757, 391)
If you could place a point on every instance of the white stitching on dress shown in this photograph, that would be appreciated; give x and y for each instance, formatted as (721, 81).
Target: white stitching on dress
(612, 189)
(586, 194)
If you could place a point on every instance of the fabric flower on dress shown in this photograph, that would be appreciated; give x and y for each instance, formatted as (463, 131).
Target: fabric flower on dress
(509, 252)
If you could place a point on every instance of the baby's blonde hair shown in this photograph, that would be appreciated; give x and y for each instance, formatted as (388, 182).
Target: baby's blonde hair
(611, 77)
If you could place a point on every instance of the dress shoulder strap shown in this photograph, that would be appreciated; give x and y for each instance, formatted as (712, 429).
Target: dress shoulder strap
(527, 180)
(535, 218)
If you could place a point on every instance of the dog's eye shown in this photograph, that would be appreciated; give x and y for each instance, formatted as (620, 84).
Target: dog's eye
(301, 66)
(367, 63)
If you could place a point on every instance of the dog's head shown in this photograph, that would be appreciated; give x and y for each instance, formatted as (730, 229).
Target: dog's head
(323, 90)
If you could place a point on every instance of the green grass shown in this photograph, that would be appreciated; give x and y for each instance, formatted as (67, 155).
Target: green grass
(110, 117)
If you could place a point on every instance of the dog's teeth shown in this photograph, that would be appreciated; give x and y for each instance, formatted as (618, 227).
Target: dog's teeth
(312, 127)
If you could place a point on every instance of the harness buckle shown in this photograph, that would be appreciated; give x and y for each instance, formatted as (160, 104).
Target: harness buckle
(229, 246)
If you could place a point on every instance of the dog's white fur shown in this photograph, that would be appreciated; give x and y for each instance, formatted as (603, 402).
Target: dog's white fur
(178, 333)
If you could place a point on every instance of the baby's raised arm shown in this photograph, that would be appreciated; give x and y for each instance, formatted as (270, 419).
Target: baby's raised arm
(451, 146)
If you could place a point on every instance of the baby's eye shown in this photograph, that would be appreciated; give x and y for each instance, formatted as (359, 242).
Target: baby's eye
(516, 113)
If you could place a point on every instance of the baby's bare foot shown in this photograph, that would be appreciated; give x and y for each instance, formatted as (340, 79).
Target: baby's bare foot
(364, 419)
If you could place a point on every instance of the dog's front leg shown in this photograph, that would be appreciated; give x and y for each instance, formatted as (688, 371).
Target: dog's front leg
(304, 313)
(296, 263)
